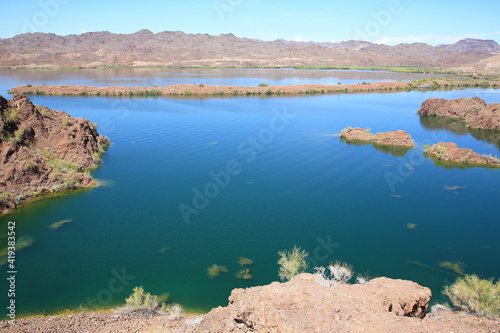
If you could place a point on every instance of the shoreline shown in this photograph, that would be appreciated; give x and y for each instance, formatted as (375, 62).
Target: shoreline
(262, 90)
(392, 69)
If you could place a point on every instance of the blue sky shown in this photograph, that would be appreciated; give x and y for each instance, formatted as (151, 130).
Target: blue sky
(388, 21)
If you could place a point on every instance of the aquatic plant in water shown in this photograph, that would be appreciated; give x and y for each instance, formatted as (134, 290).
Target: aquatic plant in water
(215, 270)
(20, 244)
(457, 267)
(59, 224)
(244, 274)
(411, 225)
(245, 261)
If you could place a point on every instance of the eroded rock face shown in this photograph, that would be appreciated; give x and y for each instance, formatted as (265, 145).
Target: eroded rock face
(449, 151)
(303, 305)
(43, 150)
(474, 111)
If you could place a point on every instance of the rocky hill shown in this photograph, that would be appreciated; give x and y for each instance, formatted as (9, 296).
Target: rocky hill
(473, 45)
(176, 48)
(43, 150)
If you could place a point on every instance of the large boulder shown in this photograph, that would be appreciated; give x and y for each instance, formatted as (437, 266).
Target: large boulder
(304, 305)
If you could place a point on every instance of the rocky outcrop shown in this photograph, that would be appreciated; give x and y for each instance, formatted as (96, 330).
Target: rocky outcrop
(448, 151)
(43, 150)
(475, 111)
(396, 138)
(300, 305)
(303, 305)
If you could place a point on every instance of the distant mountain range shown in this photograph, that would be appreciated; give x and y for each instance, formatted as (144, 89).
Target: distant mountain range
(464, 45)
(176, 48)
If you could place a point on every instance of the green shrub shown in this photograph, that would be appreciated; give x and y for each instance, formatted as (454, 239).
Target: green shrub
(154, 85)
(478, 296)
(263, 84)
(10, 115)
(188, 93)
(17, 137)
(292, 263)
(145, 302)
(201, 85)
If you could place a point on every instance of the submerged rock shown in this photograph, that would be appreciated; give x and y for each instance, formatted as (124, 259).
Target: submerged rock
(474, 111)
(43, 150)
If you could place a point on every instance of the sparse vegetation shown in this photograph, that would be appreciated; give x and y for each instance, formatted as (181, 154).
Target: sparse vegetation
(245, 261)
(475, 295)
(263, 84)
(339, 272)
(215, 270)
(140, 302)
(59, 224)
(292, 263)
(10, 115)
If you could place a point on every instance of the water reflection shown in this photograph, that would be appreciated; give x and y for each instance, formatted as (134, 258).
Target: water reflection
(459, 127)
(226, 76)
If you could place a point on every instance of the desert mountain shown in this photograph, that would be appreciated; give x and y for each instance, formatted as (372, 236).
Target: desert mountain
(473, 45)
(176, 48)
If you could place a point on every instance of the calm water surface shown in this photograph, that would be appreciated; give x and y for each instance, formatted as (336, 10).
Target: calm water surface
(298, 184)
(238, 77)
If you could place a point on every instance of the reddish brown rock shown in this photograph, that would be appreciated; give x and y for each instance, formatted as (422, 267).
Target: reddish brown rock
(43, 150)
(396, 138)
(448, 151)
(303, 305)
(474, 111)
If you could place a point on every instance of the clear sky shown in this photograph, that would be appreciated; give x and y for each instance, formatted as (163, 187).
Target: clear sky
(382, 21)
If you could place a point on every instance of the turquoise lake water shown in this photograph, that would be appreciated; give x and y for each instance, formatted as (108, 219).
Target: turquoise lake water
(297, 184)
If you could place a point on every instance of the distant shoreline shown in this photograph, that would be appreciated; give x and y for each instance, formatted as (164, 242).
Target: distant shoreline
(394, 69)
(263, 89)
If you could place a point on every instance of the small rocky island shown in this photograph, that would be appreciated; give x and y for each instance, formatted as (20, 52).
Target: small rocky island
(396, 138)
(449, 152)
(474, 111)
(43, 151)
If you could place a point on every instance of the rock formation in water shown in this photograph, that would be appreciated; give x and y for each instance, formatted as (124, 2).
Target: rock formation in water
(475, 111)
(448, 151)
(43, 150)
(396, 138)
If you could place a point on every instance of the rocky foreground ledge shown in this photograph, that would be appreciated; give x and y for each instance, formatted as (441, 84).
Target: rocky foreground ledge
(300, 305)
(474, 111)
(43, 151)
